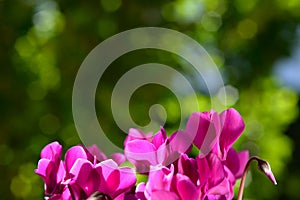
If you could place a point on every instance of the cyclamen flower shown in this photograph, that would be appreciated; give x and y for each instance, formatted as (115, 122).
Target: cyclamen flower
(50, 168)
(218, 163)
(215, 132)
(83, 173)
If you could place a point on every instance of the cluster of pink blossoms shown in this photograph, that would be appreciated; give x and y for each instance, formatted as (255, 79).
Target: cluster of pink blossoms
(86, 173)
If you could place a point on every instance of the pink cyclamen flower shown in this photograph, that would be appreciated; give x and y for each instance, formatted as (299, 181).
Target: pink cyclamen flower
(160, 149)
(215, 132)
(50, 168)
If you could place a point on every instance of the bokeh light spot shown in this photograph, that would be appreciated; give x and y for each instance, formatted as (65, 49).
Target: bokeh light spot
(247, 28)
(244, 7)
(228, 95)
(20, 187)
(111, 5)
(211, 21)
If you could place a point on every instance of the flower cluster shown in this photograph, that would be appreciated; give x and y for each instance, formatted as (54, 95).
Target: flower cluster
(86, 173)
(82, 173)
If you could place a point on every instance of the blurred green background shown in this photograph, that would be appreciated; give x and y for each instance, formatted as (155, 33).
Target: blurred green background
(255, 44)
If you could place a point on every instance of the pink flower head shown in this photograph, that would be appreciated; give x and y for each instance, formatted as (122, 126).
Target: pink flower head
(144, 152)
(50, 167)
(215, 132)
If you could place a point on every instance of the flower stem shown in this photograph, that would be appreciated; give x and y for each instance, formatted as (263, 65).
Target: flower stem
(263, 166)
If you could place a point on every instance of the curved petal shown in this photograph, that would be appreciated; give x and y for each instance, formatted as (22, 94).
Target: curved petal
(128, 178)
(223, 188)
(134, 134)
(188, 166)
(159, 179)
(72, 155)
(50, 150)
(186, 188)
(202, 127)
(113, 181)
(180, 142)
(95, 151)
(42, 166)
(140, 150)
(119, 158)
(159, 138)
(236, 162)
(232, 126)
(85, 176)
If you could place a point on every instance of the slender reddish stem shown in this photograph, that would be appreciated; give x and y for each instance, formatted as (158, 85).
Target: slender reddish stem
(243, 180)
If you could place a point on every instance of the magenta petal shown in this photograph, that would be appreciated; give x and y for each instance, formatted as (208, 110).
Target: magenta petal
(159, 138)
(181, 142)
(134, 134)
(81, 166)
(42, 166)
(223, 188)
(118, 158)
(126, 181)
(107, 167)
(61, 172)
(188, 166)
(161, 194)
(243, 159)
(140, 187)
(127, 177)
(159, 179)
(186, 188)
(203, 170)
(50, 150)
(72, 155)
(201, 127)
(85, 176)
(232, 161)
(141, 150)
(139, 191)
(113, 180)
(216, 169)
(51, 178)
(162, 154)
(210, 169)
(232, 126)
(197, 127)
(95, 151)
